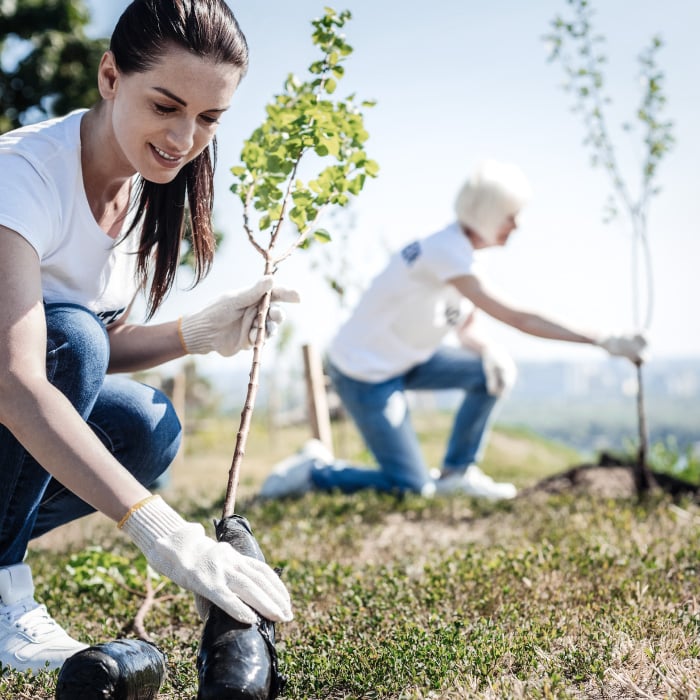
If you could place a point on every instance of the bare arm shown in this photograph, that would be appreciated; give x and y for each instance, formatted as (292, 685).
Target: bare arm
(136, 347)
(473, 288)
(37, 414)
(469, 335)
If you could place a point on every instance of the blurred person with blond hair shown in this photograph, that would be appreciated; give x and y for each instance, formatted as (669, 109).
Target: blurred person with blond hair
(393, 343)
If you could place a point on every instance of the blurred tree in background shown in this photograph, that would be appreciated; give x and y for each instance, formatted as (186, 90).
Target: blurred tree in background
(573, 42)
(48, 65)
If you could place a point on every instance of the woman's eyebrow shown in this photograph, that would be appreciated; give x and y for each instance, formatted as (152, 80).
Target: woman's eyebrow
(172, 96)
(179, 100)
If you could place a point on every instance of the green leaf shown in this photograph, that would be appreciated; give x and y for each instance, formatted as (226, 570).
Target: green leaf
(355, 185)
(322, 236)
(371, 168)
(297, 216)
(302, 198)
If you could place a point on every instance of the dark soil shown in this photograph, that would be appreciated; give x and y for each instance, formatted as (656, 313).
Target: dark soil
(611, 477)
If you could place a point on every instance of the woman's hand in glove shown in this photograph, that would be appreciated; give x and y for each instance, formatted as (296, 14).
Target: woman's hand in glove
(633, 346)
(213, 570)
(499, 368)
(228, 324)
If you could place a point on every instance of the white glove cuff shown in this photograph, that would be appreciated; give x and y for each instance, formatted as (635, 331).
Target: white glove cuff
(149, 520)
(195, 334)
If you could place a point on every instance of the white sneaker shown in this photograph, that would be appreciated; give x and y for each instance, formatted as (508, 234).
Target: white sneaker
(292, 476)
(316, 449)
(473, 482)
(30, 639)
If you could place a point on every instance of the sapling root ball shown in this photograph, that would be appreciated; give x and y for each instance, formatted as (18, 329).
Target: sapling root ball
(237, 661)
(124, 669)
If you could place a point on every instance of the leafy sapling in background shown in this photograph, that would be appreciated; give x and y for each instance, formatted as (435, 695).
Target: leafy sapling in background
(304, 122)
(580, 50)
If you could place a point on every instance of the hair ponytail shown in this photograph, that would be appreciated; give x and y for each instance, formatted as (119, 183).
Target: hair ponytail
(164, 217)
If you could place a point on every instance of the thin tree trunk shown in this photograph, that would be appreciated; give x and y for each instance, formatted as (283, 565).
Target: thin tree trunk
(247, 413)
(644, 478)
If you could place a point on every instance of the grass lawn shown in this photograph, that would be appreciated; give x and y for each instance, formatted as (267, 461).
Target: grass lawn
(546, 596)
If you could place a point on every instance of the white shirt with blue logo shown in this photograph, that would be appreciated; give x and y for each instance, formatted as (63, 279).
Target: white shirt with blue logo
(408, 310)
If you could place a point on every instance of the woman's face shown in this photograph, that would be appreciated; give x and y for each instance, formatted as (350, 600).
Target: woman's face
(506, 228)
(164, 117)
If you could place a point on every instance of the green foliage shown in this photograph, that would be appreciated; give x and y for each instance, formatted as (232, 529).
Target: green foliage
(304, 119)
(574, 43)
(58, 64)
(668, 458)
(96, 569)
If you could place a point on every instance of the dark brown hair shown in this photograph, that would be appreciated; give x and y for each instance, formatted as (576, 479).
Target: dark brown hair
(147, 29)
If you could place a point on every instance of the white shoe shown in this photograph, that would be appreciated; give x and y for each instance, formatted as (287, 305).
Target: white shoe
(30, 639)
(316, 449)
(292, 476)
(473, 482)
(428, 490)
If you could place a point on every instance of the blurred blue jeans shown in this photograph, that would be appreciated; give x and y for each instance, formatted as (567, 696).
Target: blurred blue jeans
(136, 423)
(382, 416)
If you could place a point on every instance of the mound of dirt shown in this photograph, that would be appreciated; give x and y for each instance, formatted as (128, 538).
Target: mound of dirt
(604, 482)
(609, 478)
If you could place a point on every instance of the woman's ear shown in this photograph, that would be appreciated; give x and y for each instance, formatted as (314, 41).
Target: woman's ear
(107, 76)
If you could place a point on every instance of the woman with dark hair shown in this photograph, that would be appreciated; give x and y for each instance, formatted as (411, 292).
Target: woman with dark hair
(93, 209)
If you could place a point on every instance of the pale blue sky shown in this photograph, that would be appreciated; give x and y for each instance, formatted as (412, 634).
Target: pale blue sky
(456, 81)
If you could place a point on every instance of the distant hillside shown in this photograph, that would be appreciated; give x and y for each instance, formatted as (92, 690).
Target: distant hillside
(592, 406)
(586, 405)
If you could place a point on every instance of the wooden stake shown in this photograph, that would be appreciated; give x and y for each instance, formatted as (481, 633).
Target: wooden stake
(317, 398)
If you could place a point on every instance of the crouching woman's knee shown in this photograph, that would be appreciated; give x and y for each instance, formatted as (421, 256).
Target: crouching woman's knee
(77, 354)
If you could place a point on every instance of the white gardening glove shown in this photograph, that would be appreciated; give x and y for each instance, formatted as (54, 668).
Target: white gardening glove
(214, 570)
(633, 346)
(228, 324)
(499, 368)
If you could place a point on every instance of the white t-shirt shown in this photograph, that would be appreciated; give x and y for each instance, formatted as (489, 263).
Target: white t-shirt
(42, 197)
(408, 309)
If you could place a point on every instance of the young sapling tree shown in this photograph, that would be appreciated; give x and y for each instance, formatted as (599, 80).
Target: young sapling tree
(304, 122)
(573, 42)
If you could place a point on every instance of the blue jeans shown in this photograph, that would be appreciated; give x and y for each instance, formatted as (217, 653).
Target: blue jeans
(381, 414)
(136, 423)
